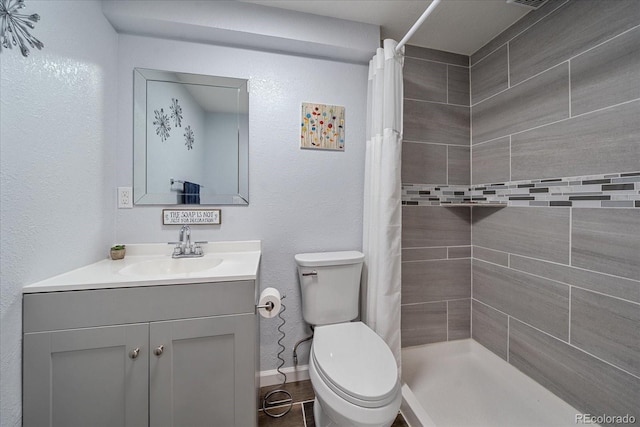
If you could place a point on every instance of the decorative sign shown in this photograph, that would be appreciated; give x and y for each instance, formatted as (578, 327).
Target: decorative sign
(191, 216)
(322, 127)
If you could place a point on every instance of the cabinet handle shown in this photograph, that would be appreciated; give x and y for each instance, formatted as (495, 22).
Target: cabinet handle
(134, 353)
(159, 350)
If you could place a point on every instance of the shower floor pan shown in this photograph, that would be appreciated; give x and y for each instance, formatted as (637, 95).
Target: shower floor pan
(462, 384)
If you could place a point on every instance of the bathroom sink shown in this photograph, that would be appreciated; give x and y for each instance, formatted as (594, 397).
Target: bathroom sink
(171, 266)
(151, 264)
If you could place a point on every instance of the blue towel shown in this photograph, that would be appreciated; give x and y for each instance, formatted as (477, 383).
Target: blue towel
(190, 193)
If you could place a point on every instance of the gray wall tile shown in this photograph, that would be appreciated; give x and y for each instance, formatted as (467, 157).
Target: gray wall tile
(606, 327)
(539, 302)
(588, 384)
(606, 75)
(615, 286)
(491, 162)
(459, 319)
(541, 100)
(458, 85)
(490, 328)
(606, 240)
(424, 163)
(429, 281)
(422, 254)
(490, 255)
(440, 123)
(573, 28)
(458, 165)
(436, 55)
(617, 204)
(423, 323)
(601, 142)
(425, 80)
(522, 24)
(573, 35)
(462, 252)
(424, 226)
(541, 232)
(490, 76)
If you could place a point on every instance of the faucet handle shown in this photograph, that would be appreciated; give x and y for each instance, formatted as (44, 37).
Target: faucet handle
(197, 249)
(177, 250)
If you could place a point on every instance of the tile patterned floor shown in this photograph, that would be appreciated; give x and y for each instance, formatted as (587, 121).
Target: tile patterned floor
(301, 414)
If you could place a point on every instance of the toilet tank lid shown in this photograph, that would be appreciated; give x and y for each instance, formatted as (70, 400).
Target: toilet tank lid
(320, 259)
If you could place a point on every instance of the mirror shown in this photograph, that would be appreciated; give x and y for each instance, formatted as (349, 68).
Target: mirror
(191, 139)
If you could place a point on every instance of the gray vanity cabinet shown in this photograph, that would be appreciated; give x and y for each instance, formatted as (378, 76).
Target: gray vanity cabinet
(205, 373)
(84, 377)
(174, 355)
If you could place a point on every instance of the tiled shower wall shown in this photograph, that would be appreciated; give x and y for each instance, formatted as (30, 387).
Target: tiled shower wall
(554, 280)
(436, 254)
(556, 290)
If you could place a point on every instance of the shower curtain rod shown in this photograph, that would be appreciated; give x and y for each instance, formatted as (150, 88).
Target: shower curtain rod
(417, 25)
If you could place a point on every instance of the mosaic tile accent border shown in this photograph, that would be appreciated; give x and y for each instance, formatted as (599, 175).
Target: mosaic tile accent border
(620, 190)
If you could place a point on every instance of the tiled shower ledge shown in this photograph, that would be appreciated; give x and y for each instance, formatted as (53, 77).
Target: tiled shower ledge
(621, 190)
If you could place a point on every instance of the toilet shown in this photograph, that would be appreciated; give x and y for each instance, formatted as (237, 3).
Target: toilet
(353, 372)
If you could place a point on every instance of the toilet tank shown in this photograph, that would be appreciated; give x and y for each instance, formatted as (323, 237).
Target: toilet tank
(330, 286)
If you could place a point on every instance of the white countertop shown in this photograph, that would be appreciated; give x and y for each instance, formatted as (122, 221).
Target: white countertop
(240, 261)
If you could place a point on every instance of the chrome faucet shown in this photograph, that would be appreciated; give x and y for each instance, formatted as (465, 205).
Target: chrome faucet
(184, 248)
(185, 239)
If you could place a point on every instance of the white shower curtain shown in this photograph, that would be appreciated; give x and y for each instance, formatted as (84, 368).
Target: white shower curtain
(382, 197)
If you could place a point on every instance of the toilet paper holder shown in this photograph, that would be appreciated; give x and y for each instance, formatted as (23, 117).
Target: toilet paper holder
(269, 401)
(268, 306)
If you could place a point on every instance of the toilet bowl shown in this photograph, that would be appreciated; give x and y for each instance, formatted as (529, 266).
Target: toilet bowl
(354, 376)
(353, 372)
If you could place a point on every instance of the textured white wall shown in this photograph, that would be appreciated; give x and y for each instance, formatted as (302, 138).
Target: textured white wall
(57, 171)
(300, 200)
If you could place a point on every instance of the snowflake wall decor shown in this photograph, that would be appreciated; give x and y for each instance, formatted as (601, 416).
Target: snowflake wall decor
(176, 113)
(162, 123)
(188, 137)
(14, 27)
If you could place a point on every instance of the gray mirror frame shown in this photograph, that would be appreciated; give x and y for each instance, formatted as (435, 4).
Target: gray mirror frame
(140, 195)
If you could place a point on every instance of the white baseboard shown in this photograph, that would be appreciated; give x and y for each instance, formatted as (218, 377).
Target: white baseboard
(294, 373)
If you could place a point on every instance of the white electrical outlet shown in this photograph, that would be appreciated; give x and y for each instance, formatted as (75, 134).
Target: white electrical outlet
(125, 198)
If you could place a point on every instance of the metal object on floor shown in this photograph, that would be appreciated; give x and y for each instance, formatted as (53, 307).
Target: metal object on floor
(285, 401)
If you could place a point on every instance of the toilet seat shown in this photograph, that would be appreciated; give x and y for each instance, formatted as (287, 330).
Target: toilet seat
(356, 364)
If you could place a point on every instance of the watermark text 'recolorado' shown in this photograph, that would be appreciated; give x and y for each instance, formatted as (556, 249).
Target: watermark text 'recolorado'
(605, 419)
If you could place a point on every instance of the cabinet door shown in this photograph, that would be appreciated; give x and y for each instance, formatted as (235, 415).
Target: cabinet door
(204, 373)
(86, 377)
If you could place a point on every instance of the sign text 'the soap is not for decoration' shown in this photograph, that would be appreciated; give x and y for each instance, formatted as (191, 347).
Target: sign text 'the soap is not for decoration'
(191, 216)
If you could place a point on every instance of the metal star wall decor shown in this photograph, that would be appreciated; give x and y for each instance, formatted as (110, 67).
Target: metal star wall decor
(176, 113)
(189, 138)
(14, 27)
